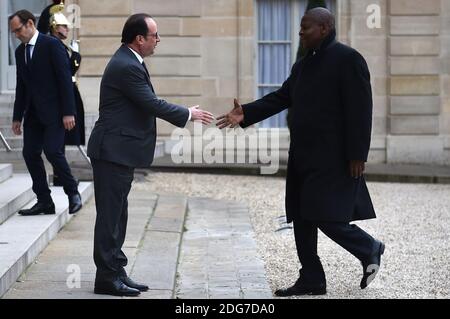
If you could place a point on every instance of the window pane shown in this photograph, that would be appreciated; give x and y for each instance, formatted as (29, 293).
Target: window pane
(35, 7)
(274, 59)
(274, 20)
(274, 62)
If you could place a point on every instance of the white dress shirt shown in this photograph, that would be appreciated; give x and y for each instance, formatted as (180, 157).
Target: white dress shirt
(141, 60)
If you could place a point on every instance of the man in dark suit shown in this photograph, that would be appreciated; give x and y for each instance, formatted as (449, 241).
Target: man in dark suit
(45, 100)
(330, 100)
(123, 139)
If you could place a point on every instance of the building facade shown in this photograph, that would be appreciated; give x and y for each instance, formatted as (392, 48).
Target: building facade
(213, 51)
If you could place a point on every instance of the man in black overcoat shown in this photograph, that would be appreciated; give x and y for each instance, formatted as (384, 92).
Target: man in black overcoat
(330, 101)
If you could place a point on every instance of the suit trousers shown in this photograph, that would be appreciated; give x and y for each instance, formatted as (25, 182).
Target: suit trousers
(112, 184)
(39, 137)
(349, 236)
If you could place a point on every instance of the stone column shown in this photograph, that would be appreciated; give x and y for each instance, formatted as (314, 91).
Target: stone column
(176, 66)
(371, 41)
(415, 69)
(100, 34)
(445, 77)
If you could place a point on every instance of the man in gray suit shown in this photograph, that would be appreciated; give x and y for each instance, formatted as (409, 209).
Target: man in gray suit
(123, 139)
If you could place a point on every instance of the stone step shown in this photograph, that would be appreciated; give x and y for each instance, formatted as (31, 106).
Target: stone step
(6, 171)
(6, 103)
(72, 153)
(6, 118)
(7, 132)
(6, 109)
(14, 193)
(7, 98)
(23, 238)
(17, 141)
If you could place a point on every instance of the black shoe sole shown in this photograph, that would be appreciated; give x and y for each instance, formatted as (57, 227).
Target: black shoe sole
(308, 293)
(46, 213)
(75, 211)
(106, 292)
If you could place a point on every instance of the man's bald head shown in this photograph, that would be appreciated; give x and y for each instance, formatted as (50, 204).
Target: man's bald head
(322, 16)
(316, 25)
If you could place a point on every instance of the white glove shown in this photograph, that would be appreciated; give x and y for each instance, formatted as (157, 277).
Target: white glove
(74, 46)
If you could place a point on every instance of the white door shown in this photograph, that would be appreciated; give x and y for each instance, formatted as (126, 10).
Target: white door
(8, 42)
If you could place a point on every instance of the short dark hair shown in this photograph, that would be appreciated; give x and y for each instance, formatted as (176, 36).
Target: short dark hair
(135, 25)
(24, 16)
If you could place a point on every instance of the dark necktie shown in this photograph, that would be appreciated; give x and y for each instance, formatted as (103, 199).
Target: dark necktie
(148, 75)
(146, 70)
(28, 52)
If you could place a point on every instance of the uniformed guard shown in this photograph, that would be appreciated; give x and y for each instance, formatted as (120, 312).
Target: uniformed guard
(43, 26)
(59, 28)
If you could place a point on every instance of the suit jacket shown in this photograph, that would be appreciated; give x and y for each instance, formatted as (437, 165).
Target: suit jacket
(45, 83)
(330, 100)
(125, 132)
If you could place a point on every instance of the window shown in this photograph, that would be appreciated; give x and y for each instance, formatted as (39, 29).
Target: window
(277, 38)
(9, 43)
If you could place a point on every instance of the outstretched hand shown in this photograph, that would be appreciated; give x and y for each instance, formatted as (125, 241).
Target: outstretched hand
(233, 118)
(200, 115)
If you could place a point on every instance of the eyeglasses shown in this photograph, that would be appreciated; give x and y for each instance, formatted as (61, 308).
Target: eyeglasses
(18, 29)
(153, 35)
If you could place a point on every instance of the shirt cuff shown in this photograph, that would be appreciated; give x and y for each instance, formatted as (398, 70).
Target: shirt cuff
(189, 117)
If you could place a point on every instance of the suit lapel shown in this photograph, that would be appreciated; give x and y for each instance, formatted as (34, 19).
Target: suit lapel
(130, 54)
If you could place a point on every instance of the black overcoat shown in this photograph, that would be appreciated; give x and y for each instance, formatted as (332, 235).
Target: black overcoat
(330, 100)
(77, 136)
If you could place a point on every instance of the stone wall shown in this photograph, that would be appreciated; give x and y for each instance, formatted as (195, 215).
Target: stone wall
(372, 44)
(415, 135)
(445, 77)
(207, 57)
(100, 33)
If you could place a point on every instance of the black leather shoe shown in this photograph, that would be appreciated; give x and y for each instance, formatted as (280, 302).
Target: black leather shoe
(130, 283)
(39, 208)
(372, 265)
(74, 203)
(115, 288)
(301, 288)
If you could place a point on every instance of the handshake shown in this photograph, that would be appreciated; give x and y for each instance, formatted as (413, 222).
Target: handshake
(232, 119)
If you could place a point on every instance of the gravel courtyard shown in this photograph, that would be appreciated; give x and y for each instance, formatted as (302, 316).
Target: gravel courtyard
(413, 221)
